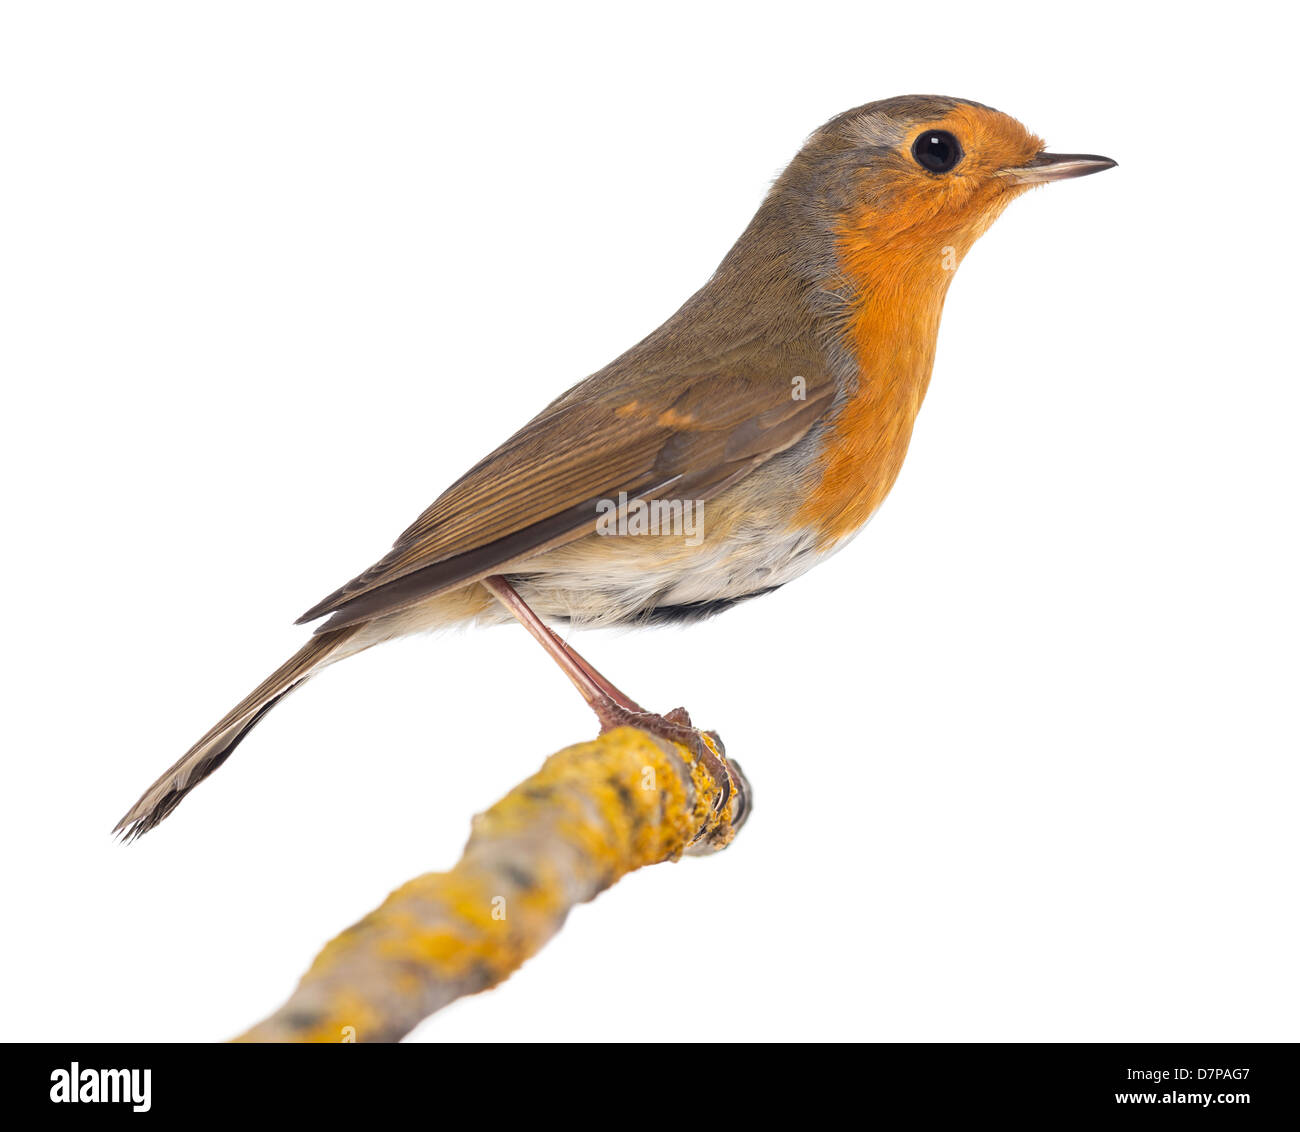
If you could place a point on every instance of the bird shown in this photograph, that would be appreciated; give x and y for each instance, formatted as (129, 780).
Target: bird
(745, 440)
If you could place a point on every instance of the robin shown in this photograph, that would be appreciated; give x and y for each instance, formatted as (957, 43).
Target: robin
(750, 436)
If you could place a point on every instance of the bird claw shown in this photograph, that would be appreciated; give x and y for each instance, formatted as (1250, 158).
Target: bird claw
(706, 746)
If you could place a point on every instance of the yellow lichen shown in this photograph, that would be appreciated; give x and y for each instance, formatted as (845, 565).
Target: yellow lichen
(593, 813)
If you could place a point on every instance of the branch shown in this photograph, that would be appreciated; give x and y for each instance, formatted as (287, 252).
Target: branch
(593, 813)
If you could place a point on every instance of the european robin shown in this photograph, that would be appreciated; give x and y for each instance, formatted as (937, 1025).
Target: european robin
(750, 436)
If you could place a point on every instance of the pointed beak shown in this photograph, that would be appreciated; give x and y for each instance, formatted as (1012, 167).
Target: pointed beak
(1057, 167)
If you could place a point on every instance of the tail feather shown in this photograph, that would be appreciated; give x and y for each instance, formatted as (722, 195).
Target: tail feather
(216, 746)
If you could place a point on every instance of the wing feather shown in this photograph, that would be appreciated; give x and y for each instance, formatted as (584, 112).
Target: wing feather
(540, 489)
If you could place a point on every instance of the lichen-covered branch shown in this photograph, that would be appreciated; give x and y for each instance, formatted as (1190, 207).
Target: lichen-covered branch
(593, 813)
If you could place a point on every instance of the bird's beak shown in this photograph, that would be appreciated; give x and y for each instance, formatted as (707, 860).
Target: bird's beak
(1057, 167)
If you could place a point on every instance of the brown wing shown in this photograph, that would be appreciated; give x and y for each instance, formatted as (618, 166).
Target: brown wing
(540, 488)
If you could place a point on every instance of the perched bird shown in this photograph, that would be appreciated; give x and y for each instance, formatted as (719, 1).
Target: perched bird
(770, 415)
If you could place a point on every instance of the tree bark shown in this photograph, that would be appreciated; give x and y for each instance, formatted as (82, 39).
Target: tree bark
(593, 813)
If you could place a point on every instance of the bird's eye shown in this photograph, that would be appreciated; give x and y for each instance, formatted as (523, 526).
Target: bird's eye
(937, 150)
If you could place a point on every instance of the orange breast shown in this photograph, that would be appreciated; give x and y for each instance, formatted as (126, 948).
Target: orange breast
(892, 331)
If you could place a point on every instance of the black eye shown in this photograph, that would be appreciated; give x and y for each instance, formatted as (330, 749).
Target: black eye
(936, 150)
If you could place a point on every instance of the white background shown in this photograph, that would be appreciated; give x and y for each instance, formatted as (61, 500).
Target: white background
(272, 275)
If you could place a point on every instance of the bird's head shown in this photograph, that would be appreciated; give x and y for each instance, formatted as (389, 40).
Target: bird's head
(921, 173)
(864, 230)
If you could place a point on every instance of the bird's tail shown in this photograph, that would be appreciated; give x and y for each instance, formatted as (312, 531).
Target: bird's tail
(215, 747)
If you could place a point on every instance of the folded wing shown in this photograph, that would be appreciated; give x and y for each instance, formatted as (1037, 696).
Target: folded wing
(540, 489)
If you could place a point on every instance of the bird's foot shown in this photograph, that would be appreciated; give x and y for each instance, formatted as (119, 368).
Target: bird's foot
(615, 709)
(707, 747)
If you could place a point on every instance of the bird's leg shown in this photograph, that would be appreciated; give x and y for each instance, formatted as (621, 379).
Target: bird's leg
(612, 707)
(599, 693)
(620, 698)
